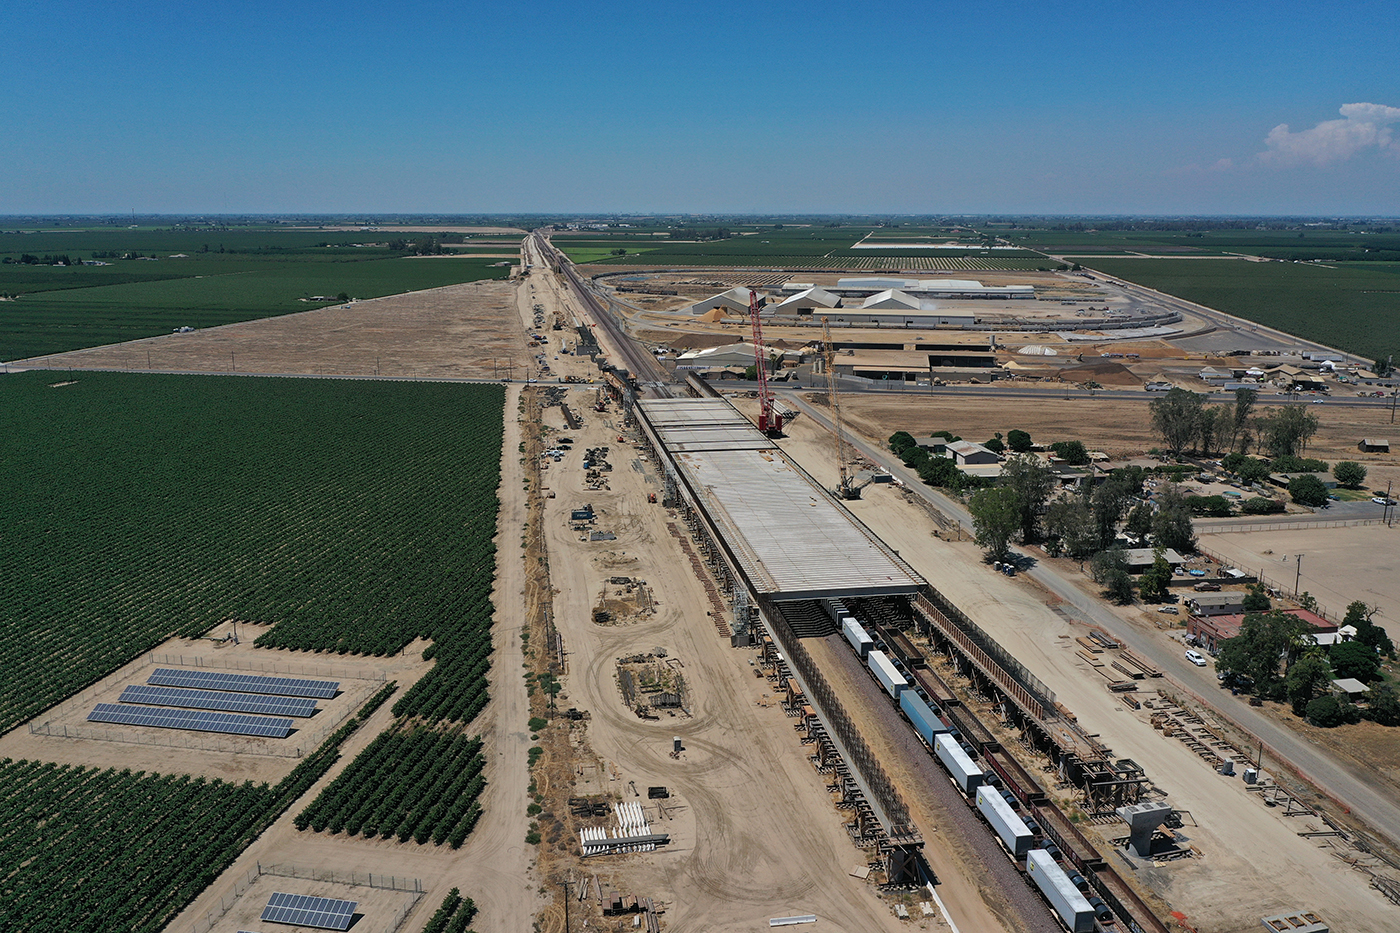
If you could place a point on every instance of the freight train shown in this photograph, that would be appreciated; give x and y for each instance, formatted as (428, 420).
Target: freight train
(1068, 893)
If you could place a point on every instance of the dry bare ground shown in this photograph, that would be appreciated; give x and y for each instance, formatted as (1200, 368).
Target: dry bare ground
(1253, 862)
(1119, 427)
(464, 331)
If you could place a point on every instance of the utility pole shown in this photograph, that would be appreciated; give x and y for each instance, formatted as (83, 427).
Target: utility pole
(566, 905)
(1298, 576)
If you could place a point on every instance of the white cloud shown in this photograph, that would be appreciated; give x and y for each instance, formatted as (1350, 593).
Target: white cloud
(1362, 126)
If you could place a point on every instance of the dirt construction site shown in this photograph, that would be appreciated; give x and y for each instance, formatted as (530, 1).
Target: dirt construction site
(619, 705)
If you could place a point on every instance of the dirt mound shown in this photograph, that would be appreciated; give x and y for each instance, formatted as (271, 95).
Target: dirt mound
(1104, 373)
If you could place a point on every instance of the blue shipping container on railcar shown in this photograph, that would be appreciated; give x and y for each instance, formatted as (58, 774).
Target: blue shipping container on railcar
(925, 722)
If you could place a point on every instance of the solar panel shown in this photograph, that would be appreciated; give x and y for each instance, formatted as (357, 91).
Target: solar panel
(213, 699)
(245, 683)
(197, 720)
(304, 910)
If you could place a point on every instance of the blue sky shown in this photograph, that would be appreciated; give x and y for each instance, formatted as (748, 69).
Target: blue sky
(1165, 108)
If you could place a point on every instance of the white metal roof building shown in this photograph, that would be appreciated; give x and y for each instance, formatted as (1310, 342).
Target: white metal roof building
(736, 299)
(892, 298)
(808, 300)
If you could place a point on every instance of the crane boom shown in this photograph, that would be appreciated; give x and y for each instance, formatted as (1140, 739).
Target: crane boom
(770, 420)
(846, 488)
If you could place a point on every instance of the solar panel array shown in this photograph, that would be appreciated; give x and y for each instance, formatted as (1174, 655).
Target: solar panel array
(245, 683)
(213, 699)
(197, 720)
(304, 910)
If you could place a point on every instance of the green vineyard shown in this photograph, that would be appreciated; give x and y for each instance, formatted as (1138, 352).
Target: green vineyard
(453, 915)
(353, 516)
(82, 849)
(412, 783)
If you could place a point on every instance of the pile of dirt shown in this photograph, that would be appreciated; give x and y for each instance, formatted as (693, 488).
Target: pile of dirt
(1104, 373)
(704, 341)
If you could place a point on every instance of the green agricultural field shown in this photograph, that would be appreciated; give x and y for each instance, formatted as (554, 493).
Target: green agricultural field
(796, 248)
(1351, 306)
(1331, 245)
(89, 851)
(357, 516)
(219, 277)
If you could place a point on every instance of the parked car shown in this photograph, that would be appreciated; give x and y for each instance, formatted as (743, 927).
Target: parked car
(1168, 610)
(1382, 500)
(1195, 657)
(1206, 587)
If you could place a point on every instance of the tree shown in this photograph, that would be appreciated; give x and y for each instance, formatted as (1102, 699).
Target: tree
(901, 441)
(1032, 480)
(1287, 430)
(996, 445)
(1217, 506)
(1140, 520)
(1176, 416)
(1385, 705)
(1152, 585)
(1110, 570)
(1353, 659)
(1257, 600)
(1120, 588)
(1072, 521)
(940, 472)
(1212, 427)
(914, 455)
(1360, 617)
(1307, 490)
(1350, 474)
(1019, 441)
(996, 517)
(1252, 471)
(1327, 712)
(1111, 498)
(1265, 639)
(1260, 505)
(1303, 680)
(1171, 526)
(1072, 452)
(1244, 406)
(1232, 462)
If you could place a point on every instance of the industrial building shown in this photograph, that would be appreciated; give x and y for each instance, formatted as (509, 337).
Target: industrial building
(1210, 630)
(931, 288)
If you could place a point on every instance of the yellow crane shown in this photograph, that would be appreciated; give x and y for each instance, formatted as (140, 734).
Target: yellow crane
(846, 488)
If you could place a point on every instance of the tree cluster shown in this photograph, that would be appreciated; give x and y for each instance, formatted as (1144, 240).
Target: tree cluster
(1276, 654)
(27, 259)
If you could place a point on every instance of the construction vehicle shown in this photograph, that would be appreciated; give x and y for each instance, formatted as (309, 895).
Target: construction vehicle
(770, 420)
(846, 488)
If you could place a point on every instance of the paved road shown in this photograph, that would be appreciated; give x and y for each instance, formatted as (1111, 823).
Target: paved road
(1352, 787)
(1266, 397)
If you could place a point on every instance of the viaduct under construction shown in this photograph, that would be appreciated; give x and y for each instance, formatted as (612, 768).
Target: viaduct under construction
(783, 550)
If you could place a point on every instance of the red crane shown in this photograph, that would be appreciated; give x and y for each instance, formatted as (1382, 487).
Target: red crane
(770, 420)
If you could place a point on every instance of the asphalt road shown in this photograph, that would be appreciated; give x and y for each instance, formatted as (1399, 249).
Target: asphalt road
(1373, 803)
(1268, 397)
